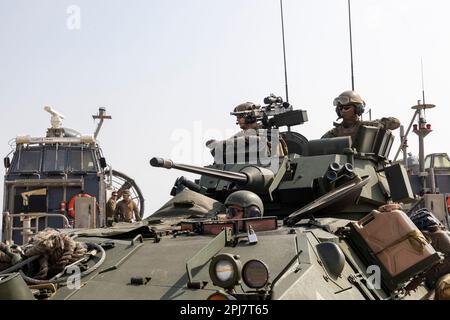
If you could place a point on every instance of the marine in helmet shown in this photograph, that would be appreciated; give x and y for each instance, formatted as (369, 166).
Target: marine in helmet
(350, 106)
(243, 204)
(125, 209)
(246, 116)
(111, 208)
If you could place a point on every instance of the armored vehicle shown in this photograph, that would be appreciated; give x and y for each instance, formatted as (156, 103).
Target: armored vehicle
(60, 180)
(328, 230)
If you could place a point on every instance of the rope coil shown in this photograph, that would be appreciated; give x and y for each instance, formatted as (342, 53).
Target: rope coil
(56, 250)
(53, 251)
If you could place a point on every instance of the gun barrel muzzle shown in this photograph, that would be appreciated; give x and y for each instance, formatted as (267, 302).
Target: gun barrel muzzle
(161, 163)
(237, 177)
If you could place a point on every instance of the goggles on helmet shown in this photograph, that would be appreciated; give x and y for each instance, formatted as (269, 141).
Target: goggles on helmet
(342, 101)
(241, 114)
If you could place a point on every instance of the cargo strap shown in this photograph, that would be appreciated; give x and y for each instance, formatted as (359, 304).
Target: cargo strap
(415, 237)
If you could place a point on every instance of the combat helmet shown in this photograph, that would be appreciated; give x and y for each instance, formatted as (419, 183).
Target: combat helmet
(250, 201)
(248, 110)
(349, 97)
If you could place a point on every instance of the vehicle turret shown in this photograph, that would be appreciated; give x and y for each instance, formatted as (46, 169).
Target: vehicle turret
(287, 184)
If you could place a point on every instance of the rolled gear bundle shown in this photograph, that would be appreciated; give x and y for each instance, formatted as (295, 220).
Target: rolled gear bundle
(5, 259)
(390, 123)
(9, 256)
(440, 240)
(424, 219)
(443, 288)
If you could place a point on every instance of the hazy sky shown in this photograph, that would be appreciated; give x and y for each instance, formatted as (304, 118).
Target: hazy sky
(170, 71)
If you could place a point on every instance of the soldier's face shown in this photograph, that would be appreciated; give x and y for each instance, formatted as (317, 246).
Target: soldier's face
(243, 125)
(348, 112)
(241, 122)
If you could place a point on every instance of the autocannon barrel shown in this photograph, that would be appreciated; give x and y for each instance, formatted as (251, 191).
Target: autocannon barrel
(225, 175)
(253, 177)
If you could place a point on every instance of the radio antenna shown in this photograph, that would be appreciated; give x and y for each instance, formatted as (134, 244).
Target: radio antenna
(284, 51)
(351, 43)
(423, 81)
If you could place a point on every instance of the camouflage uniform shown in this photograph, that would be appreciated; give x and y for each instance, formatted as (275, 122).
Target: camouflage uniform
(341, 130)
(281, 146)
(349, 126)
(110, 210)
(124, 211)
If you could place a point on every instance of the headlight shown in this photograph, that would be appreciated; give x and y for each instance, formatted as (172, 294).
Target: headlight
(225, 270)
(255, 274)
(219, 295)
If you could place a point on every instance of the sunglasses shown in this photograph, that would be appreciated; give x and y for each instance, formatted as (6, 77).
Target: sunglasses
(243, 115)
(346, 107)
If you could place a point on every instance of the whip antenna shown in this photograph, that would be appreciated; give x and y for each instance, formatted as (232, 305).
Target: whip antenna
(351, 43)
(284, 51)
(423, 82)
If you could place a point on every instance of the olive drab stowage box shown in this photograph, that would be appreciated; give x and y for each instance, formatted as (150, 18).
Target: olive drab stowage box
(392, 241)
